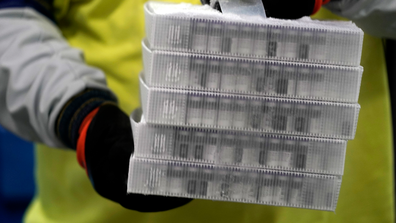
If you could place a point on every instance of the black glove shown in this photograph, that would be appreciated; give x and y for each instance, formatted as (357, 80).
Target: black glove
(289, 9)
(93, 125)
(108, 147)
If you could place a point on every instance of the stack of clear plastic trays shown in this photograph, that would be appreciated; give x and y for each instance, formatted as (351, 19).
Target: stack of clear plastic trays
(314, 155)
(227, 183)
(244, 111)
(248, 113)
(191, 28)
(249, 76)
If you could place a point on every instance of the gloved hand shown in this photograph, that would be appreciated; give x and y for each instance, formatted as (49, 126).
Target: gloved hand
(103, 141)
(104, 147)
(289, 9)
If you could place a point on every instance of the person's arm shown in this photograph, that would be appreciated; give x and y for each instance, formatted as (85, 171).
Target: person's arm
(39, 74)
(49, 95)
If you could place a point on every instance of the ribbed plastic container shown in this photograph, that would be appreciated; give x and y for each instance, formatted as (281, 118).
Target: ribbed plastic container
(193, 28)
(313, 155)
(248, 113)
(224, 183)
(248, 76)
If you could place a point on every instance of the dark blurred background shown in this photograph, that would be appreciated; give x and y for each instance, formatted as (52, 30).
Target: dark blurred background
(16, 176)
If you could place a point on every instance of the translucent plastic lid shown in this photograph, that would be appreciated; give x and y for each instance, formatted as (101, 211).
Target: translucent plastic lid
(224, 183)
(248, 113)
(193, 28)
(233, 148)
(248, 76)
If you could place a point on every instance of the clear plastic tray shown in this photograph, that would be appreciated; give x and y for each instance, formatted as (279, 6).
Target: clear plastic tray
(314, 155)
(260, 186)
(193, 28)
(248, 113)
(248, 76)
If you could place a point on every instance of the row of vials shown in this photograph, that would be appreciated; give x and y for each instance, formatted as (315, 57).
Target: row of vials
(244, 111)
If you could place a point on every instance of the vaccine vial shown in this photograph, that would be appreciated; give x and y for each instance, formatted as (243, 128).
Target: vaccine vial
(159, 143)
(174, 75)
(191, 186)
(272, 47)
(305, 45)
(301, 118)
(337, 84)
(206, 185)
(213, 75)
(198, 146)
(274, 80)
(250, 146)
(215, 37)
(319, 88)
(224, 186)
(303, 51)
(275, 43)
(317, 47)
(242, 142)
(240, 117)
(194, 110)
(244, 77)
(168, 108)
(226, 112)
(209, 177)
(174, 35)
(178, 34)
(349, 84)
(266, 188)
(296, 191)
(315, 121)
(283, 120)
(176, 176)
(227, 149)
(197, 73)
(329, 200)
(252, 185)
(315, 155)
(229, 76)
(300, 159)
(273, 152)
(290, 74)
(281, 189)
(254, 154)
(209, 113)
(192, 181)
(310, 197)
(199, 36)
(236, 185)
(211, 147)
(290, 44)
(154, 179)
(286, 154)
(231, 36)
(347, 128)
(245, 44)
(303, 88)
(259, 83)
(183, 140)
(256, 114)
(271, 108)
(260, 41)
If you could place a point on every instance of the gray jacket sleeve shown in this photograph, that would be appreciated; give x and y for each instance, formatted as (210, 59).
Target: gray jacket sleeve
(375, 17)
(39, 73)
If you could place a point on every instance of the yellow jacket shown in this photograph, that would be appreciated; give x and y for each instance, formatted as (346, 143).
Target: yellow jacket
(110, 33)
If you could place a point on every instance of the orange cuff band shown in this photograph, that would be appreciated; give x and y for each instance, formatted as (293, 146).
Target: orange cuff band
(325, 2)
(80, 150)
(318, 4)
